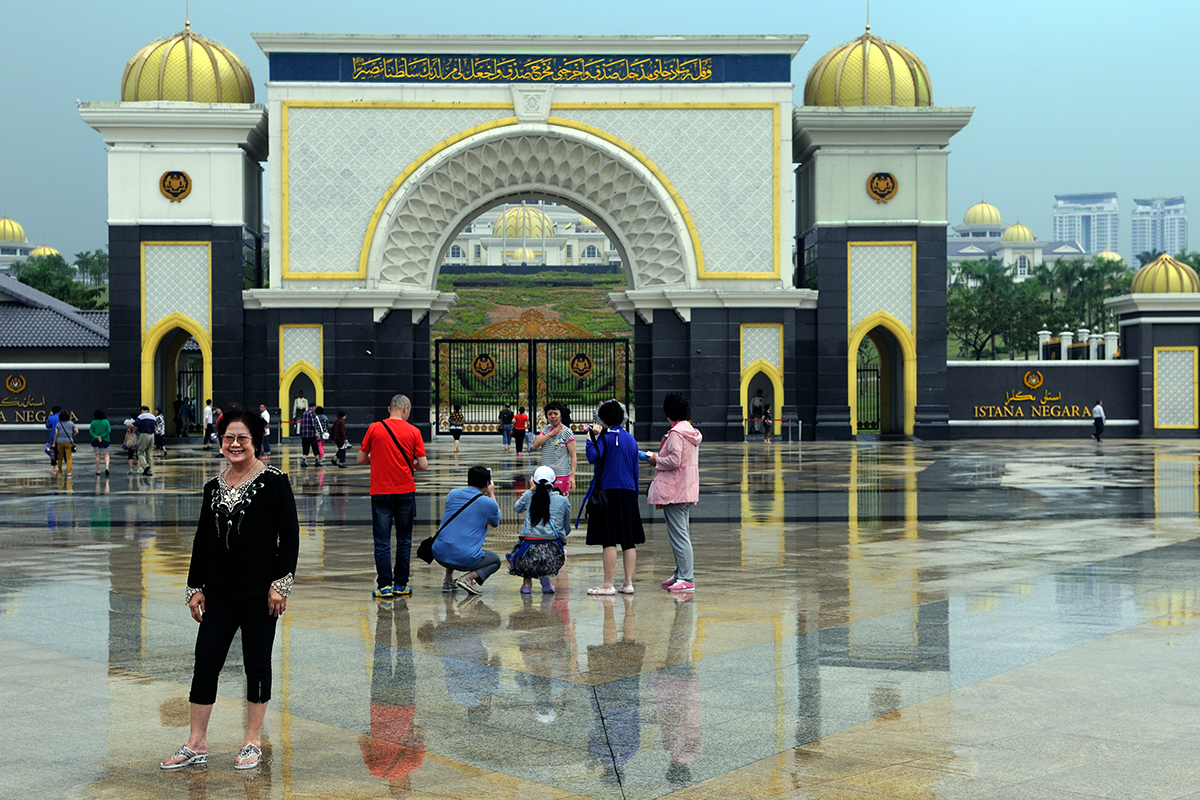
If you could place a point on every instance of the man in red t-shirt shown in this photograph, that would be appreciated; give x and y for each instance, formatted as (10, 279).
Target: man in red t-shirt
(395, 451)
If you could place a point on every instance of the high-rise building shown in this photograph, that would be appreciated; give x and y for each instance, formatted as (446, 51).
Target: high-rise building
(1160, 225)
(1090, 219)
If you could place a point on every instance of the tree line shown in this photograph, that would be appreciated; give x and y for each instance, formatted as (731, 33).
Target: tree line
(82, 284)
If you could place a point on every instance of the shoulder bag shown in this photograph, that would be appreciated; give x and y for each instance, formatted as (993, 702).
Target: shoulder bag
(405, 458)
(425, 548)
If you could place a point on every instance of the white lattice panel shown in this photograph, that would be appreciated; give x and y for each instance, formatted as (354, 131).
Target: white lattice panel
(177, 280)
(761, 342)
(1174, 388)
(881, 279)
(301, 344)
(720, 162)
(341, 161)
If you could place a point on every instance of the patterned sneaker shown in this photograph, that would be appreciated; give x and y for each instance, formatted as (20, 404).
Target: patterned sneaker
(682, 586)
(402, 591)
(383, 593)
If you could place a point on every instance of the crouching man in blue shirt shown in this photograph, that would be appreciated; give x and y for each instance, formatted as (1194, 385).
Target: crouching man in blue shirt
(459, 543)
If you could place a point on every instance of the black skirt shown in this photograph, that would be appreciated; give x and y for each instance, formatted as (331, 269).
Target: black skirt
(618, 524)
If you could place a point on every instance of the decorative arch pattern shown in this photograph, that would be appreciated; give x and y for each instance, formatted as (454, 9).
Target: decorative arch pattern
(634, 208)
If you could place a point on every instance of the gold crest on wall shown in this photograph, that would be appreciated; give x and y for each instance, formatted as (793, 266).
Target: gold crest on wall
(175, 185)
(882, 186)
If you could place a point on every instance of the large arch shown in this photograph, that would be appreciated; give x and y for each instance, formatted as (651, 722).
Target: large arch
(907, 345)
(622, 191)
(150, 342)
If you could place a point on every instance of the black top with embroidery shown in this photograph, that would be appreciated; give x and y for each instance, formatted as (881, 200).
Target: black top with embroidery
(247, 536)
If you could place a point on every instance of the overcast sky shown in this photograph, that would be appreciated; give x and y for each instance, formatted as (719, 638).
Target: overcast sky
(1069, 96)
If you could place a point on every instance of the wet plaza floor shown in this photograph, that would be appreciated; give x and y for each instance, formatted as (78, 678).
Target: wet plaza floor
(873, 620)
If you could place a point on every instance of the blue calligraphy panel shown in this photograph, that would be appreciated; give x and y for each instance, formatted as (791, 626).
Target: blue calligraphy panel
(348, 68)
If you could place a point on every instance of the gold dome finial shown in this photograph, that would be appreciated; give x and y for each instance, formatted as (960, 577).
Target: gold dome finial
(868, 72)
(186, 67)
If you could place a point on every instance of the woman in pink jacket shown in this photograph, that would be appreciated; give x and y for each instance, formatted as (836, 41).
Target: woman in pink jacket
(676, 487)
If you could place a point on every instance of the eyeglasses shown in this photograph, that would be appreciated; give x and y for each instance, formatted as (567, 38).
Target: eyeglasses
(229, 438)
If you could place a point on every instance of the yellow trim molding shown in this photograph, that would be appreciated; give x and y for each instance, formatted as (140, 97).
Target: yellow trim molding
(288, 372)
(772, 371)
(776, 205)
(908, 348)
(1195, 384)
(150, 338)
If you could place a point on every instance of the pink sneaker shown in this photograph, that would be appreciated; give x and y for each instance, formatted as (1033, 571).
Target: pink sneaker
(682, 586)
(669, 581)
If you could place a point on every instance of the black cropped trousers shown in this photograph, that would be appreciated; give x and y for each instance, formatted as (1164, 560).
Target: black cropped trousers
(224, 614)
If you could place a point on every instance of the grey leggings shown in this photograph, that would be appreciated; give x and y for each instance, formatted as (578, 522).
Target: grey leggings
(678, 516)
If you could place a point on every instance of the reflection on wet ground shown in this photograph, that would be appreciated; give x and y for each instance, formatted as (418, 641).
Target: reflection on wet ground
(895, 620)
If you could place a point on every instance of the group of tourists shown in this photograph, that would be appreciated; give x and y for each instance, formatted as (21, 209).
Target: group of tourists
(246, 546)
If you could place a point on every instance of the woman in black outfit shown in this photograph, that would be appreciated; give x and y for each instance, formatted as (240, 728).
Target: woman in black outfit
(243, 564)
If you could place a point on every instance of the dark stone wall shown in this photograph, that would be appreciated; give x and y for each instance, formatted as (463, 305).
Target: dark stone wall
(980, 392)
(75, 388)
(1138, 340)
(125, 298)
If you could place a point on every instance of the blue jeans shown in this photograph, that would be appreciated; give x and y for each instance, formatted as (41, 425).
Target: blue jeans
(506, 434)
(387, 509)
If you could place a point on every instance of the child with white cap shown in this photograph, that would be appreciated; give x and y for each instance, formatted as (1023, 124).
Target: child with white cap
(539, 550)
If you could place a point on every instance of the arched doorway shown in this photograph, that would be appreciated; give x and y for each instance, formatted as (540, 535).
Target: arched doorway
(897, 373)
(171, 366)
(300, 377)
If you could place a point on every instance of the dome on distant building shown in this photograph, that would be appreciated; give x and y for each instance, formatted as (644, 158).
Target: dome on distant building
(1109, 255)
(186, 67)
(1017, 233)
(982, 214)
(523, 221)
(44, 251)
(868, 72)
(1165, 275)
(11, 230)
(584, 222)
(524, 254)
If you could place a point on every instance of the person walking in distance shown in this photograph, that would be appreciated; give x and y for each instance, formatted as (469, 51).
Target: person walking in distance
(209, 426)
(395, 451)
(456, 424)
(100, 431)
(676, 487)
(308, 436)
(266, 418)
(64, 441)
(160, 433)
(506, 426)
(520, 423)
(340, 440)
(145, 441)
(1098, 419)
(299, 406)
(757, 409)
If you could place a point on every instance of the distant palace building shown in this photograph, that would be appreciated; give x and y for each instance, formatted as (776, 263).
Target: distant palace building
(528, 237)
(13, 244)
(1160, 225)
(1090, 219)
(984, 235)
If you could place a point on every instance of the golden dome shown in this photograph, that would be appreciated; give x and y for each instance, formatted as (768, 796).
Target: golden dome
(44, 251)
(982, 214)
(186, 67)
(1165, 275)
(523, 221)
(584, 222)
(11, 230)
(868, 72)
(1109, 255)
(1017, 233)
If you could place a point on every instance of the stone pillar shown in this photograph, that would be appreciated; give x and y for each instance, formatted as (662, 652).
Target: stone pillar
(1112, 341)
(1094, 346)
(1065, 344)
(1043, 340)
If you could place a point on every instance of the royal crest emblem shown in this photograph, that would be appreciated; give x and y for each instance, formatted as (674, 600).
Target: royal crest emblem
(1033, 379)
(175, 185)
(882, 186)
(15, 383)
(483, 366)
(581, 365)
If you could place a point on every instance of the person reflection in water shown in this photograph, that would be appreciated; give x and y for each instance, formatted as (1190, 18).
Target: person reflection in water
(472, 675)
(546, 652)
(396, 746)
(617, 734)
(677, 696)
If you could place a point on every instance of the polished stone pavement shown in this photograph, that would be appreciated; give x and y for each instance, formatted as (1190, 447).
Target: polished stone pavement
(873, 620)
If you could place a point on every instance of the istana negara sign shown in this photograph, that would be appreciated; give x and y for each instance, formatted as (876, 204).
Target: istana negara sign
(1026, 403)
